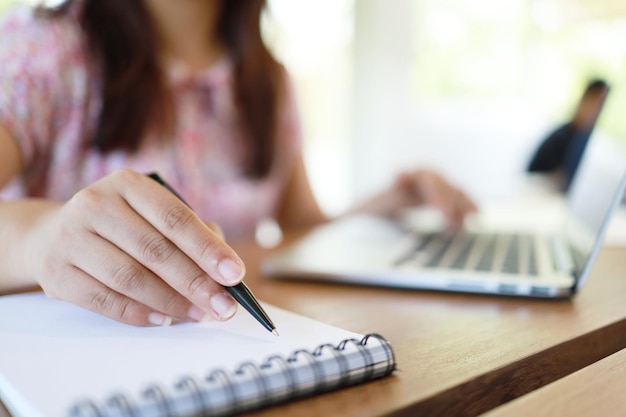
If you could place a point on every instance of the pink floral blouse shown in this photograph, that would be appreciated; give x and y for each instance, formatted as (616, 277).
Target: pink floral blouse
(49, 101)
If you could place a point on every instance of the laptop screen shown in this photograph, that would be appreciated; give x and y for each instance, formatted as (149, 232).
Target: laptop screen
(597, 189)
(588, 112)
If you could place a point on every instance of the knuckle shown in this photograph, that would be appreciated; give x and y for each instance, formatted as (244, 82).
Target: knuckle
(216, 229)
(171, 302)
(195, 282)
(127, 277)
(100, 301)
(125, 175)
(125, 311)
(155, 248)
(86, 199)
(106, 303)
(208, 248)
(177, 217)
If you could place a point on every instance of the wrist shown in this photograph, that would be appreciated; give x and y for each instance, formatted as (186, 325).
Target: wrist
(23, 223)
(389, 202)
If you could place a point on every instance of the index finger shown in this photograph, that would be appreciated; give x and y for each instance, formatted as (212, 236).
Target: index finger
(177, 222)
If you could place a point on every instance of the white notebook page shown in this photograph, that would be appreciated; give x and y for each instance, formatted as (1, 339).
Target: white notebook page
(53, 353)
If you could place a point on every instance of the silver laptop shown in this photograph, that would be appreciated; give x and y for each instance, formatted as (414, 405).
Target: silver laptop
(369, 250)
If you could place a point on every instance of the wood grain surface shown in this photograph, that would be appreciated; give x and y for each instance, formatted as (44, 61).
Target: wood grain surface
(458, 354)
(597, 390)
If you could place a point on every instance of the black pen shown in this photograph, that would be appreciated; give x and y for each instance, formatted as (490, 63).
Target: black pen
(239, 292)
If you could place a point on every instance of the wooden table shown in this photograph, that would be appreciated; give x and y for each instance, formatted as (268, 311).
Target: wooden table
(595, 390)
(457, 354)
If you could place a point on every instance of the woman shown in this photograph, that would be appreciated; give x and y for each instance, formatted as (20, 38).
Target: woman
(95, 94)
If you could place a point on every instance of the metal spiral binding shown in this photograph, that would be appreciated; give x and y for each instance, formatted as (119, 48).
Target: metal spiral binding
(228, 386)
(391, 357)
(156, 394)
(85, 409)
(121, 405)
(367, 357)
(291, 378)
(339, 358)
(259, 379)
(190, 385)
(316, 366)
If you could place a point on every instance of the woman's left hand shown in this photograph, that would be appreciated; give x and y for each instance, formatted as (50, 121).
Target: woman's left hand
(422, 188)
(426, 187)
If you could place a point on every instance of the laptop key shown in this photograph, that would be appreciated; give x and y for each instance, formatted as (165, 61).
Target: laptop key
(486, 259)
(463, 256)
(511, 258)
(437, 256)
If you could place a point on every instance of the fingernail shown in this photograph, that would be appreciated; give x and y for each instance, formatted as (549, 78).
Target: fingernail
(230, 270)
(158, 319)
(197, 314)
(224, 305)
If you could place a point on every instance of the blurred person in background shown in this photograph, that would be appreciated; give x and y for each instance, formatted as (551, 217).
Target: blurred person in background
(561, 151)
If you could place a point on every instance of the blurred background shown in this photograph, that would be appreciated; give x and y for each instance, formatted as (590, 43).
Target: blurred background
(468, 87)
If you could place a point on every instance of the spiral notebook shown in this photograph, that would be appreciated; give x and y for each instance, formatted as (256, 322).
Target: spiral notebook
(58, 360)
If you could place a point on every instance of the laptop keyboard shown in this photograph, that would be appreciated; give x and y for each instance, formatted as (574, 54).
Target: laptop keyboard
(505, 253)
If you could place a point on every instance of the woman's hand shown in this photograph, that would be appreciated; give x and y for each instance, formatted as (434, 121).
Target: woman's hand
(422, 188)
(127, 248)
(426, 187)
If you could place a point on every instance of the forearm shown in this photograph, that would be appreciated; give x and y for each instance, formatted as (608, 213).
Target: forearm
(298, 207)
(385, 203)
(19, 222)
(417, 188)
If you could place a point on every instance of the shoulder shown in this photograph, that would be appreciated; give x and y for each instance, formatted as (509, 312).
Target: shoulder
(43, 77)
(562, 133)
(33, 43)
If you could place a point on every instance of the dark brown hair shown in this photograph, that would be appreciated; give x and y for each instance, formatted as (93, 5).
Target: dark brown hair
(122, 39)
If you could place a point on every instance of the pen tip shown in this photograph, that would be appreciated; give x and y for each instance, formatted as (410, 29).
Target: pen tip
(275, 332)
